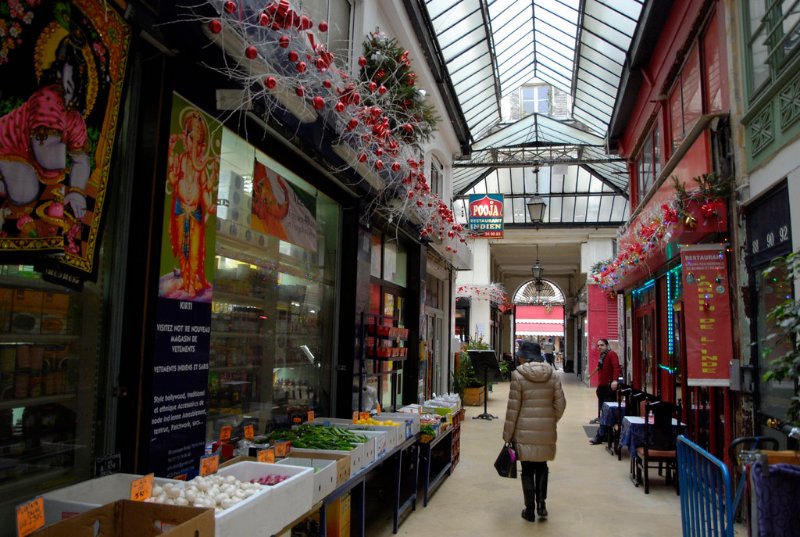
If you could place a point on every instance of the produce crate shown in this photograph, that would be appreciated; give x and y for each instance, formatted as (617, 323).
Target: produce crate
(270, 512)
(69, 501)
(356, 455)
(342, 462)
(125, 518)
(395, 435)
(411, 421)
(380, 441)
(324, 474)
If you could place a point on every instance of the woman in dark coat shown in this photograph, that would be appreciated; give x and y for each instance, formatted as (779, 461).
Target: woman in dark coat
(535, 404)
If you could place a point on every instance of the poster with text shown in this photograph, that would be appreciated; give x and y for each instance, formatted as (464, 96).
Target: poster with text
(707, 314)
(486, 215)
(62, 68)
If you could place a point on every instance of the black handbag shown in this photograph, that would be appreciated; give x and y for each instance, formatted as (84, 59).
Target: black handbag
(506, 463)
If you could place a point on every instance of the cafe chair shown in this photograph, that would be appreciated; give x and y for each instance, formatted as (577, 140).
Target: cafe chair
(659, 448)
(637, 402)
(624, 394)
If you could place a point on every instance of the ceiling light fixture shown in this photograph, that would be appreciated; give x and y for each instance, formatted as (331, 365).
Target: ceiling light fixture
(536, 205)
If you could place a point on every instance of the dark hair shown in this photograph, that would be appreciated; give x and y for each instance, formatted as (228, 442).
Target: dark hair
(69, 52)
(603, 340)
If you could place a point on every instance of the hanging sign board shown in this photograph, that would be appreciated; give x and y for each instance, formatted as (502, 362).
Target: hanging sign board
(486, 215)
(707, 314)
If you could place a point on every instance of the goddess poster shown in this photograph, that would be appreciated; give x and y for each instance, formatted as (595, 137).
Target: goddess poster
(62, 67)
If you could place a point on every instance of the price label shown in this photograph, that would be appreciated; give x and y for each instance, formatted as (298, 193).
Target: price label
(282, 449)
(225, 433)
(265, 455)
(355, 416)
(30, 517)
(249, 434)
(209, 465)
(310, 416)
(142, 488)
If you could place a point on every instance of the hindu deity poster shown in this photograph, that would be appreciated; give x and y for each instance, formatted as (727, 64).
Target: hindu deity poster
(62, 66)
(188, 241)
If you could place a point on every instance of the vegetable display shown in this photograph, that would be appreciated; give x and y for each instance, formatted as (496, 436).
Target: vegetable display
(217, 491)
(319, 437)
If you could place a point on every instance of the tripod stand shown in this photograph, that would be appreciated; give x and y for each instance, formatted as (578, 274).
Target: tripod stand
(486, 360)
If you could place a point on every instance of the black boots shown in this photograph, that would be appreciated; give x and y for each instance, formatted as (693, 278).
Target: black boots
(541, 491)
(529, 492)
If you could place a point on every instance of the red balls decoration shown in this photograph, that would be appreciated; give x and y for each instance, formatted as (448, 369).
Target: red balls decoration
(352, 124)
(327, 83)
(300, 90)
(319, 102)
(270, 82)
(362, 61)
(293, 56)
(215, 26)
(362, 157)
(301, 67)
(263, 19)
(339, 106)
(306, 23)
(284, 41)
(382, 89)
(373, 86)
(251, 52)
(323, 26)
(321, 65)
(378, 164)
(230, 6)
(395, 166)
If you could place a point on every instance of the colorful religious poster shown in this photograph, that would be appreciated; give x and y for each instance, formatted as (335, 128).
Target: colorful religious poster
(486, 215)
(62, 66)
(282, 210)
(707, 314)
(188, 243)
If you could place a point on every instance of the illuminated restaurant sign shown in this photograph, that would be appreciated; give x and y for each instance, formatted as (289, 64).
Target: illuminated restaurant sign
(707, 311)
(486, 215)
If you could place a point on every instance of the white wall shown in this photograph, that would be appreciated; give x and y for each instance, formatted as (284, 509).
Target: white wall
(594, 251)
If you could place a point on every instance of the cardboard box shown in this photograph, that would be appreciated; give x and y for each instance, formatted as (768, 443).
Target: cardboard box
(126, 518)
(342, 462)
(271, 512)
(337, 517)
(380, 439)
(26, 316)
(324, 478)
(69, 501)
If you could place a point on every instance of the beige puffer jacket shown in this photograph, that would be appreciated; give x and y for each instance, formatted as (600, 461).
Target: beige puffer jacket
(535, 405)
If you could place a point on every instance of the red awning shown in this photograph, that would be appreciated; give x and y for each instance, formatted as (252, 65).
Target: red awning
(540, 329)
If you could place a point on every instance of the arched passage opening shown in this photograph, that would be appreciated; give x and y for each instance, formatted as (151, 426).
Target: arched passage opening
(539, 316)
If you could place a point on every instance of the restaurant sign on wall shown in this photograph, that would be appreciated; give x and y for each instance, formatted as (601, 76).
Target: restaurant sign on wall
(709, 345)
(486, 215)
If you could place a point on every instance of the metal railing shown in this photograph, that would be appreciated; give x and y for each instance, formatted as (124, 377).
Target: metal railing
(707, 503)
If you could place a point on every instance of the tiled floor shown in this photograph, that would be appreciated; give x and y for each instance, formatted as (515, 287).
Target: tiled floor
(589, 491)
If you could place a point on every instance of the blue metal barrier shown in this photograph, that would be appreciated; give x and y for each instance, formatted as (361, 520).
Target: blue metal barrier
(707, 504)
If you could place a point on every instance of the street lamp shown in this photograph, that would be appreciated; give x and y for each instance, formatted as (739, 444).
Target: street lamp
(536, 269)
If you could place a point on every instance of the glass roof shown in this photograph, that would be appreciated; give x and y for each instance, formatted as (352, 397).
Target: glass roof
(493, 47)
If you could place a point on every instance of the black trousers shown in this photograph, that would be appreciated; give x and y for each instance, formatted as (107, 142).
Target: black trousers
(604, 393)
(531, 467)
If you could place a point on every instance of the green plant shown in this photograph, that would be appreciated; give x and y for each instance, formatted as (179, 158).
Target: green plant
(781, 344)
(477, 343)
(465, 375)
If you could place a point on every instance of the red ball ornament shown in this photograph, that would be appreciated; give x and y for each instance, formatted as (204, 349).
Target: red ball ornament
(327, 83)
(411, 194)
(352, 124)
(376, 111)
(306, 23)
(339, 106)
(263, 19)
(321, 65)
(378, 164)
(382, 90)
(395, 166)
(319, 103)
(270, 82)
(230, 6)
(300, 90)
(293, 56)
(362, 61)
(301, 67)
(373, 86)
(215, 26)
(362, 157)
(251, 52)
(284, 41)
(323, 26)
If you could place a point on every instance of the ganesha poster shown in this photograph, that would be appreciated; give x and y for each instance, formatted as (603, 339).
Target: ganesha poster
(62, 66)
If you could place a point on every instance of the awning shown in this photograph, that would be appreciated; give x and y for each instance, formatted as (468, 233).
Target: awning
(540, 329)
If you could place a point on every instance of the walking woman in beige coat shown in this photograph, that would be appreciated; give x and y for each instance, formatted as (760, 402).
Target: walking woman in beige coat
(535, 405)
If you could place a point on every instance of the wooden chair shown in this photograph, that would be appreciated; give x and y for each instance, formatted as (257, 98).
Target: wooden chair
(659, 448)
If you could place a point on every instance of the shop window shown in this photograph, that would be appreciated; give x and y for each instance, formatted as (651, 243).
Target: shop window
(712, 74)
(686, 99)
(773, 35)
(535, 99)
(274, 294)
(437, 176)
(648, 165)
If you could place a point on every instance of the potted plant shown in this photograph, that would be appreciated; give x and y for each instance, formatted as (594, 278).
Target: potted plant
(466, 382)
(782, 345)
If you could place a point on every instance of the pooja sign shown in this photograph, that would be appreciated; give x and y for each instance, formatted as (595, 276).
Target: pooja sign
(486, 215)
(707, 314)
